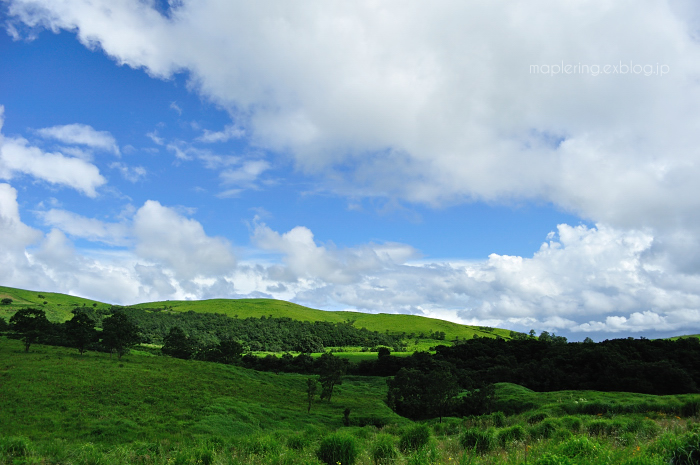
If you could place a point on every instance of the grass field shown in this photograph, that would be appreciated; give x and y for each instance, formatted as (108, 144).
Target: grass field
(63, 408)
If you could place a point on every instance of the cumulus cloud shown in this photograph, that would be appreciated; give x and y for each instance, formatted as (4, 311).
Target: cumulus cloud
(81, 134)
(18, 157)
(437, 103)
(179, 243)
(156, 255)
(86, 228)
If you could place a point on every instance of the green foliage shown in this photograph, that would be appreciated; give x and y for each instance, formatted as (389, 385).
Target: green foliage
(13, 446)
(29, 324)
(80, 331)
(578, 447)
(420, 394)
(510, 435)
(552, 459)
(414, 437)
(478, 440)
(177, 344)
(338, 448)
(331, 370)
(543, 430)
(6, 301)
(383, 450)
(119, 333)
(687, 451)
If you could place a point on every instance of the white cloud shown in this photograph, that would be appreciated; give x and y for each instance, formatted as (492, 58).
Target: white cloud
(130, 173)
(180, 244)
(229, 132)
(246, 175)
(87, 228)
(436, 103)
(81, 134)
(17, 156)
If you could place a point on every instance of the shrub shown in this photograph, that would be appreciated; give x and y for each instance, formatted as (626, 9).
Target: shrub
(643, 428)
(498, 419)
(600, 428)
(544, 430)
(690, 409)
(384, 449)
(477, 440)
(337, 448)
(298, 441)
(579, 446)
(536, 418)
(512, 434)
(415, 437)
(573, 424)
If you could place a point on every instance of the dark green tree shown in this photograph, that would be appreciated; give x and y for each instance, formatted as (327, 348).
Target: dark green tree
(227, 351)
(80, 331)
(119, 333)
(6, 301)
(311, 389)
(177, 344)
(29, 324)
(419, 394)
(331, 370)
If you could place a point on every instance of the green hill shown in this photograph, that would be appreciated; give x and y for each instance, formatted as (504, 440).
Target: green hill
(58, 308)
(394, 323)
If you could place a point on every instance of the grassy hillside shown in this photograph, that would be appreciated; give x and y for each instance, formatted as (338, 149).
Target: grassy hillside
(59, 306)
(394, 323)
(53, 392)
(59, 407)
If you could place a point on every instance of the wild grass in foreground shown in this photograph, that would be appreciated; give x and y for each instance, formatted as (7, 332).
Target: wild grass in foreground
(62, 408)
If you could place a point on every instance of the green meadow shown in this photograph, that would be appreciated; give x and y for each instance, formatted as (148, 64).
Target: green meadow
(62, 408)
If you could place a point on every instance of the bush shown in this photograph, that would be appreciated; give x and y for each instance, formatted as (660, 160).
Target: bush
(544, 430)
(600, 428)
(579, 446)
(337, 448)
(477, 440)
(536, 418)
(573, 424)
(384, 449)
(415, 437)
(498, 419)
(690, 409)
(298, 442)
(512, 434)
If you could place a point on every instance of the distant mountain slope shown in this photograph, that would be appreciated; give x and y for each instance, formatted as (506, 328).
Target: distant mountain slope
(394, 323)
(58, 308)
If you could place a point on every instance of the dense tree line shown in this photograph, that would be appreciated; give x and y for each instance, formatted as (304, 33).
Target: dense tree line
(256, 334)
(117, 335)
(634, 365)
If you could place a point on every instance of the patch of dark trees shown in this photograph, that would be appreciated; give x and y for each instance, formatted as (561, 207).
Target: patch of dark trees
(256, 334)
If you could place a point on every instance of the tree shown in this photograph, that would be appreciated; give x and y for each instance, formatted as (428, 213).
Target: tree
(177, 344)
(80, 331)
(227, 351)
(6, 301)
(331, 370)
(311, 388)
(29, 324)
(418, 394)
(119, 333)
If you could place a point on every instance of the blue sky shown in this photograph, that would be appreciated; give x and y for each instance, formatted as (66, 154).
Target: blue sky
(359, 157)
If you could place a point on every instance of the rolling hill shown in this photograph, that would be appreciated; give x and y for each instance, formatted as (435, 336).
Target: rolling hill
(58, 308)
